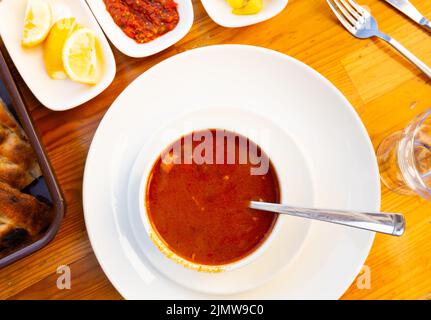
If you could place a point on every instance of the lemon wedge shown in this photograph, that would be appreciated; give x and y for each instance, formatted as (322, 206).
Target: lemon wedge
(53, 47)
(80, 56)
(37, 22)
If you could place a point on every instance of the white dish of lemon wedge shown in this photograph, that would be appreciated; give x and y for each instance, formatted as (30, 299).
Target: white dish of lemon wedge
(233, 14)
(59, 50)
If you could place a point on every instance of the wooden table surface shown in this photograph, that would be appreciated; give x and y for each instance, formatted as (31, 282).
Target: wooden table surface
(386, 91)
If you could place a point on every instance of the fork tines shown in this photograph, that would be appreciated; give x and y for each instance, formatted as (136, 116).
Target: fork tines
(347, 11)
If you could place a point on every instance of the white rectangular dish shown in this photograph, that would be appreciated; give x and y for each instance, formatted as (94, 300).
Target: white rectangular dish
(56, 95)
(221, 13)
(129, 46)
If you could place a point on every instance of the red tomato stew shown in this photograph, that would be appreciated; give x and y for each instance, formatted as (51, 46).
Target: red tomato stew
(200, 210)
(144, 20)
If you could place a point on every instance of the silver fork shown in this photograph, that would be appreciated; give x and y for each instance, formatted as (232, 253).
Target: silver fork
(360, 23)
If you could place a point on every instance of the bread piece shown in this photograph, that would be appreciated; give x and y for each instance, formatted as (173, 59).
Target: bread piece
(22, 218)
(23, 211)
(18, 162)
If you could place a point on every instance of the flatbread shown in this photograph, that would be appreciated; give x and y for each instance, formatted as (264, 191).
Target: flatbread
(22, 216)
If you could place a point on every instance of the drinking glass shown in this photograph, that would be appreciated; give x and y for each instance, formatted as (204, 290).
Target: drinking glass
(404, 158)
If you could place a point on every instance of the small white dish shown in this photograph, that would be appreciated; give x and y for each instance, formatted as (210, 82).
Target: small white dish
(57, 95)
(306, 259)
(221, 13)
(130, 47)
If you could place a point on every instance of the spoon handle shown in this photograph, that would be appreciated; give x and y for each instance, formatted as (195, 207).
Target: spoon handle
(388, 223)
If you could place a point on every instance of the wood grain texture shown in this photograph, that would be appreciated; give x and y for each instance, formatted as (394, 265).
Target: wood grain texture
(386, 91)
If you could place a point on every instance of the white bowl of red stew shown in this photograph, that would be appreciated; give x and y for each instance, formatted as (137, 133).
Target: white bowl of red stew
(194, 199)
(140, 28)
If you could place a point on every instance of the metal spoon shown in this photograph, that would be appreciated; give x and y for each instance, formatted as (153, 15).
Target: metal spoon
(387, 223)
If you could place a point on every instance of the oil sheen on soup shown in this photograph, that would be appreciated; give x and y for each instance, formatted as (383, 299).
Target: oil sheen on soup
(198, 193)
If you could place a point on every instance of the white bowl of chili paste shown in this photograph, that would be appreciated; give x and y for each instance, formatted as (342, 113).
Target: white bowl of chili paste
(140, 28)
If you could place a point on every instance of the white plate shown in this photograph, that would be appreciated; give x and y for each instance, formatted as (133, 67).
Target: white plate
(129, 46)
(56, 95)
(221, 13)
(321, 259)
